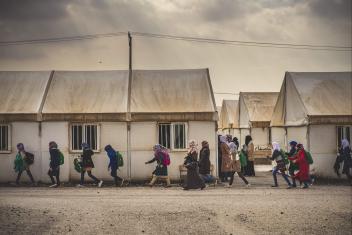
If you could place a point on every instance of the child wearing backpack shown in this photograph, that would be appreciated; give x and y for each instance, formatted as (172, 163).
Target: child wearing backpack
(54, 164)
(163, 160)
(114, 163)
(22, 162)
(280, 165)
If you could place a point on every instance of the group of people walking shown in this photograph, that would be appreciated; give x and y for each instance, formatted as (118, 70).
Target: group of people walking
(296, 161)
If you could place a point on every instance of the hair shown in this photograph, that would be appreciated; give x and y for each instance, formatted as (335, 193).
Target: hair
(248, 139)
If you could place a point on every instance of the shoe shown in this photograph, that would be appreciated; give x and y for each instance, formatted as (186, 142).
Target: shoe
(274, 186)
(168, 186)
(289, 187)
(80, 186)
(248, 185)
(100, 184)
(122, 181)
(185, 188)
(294, 186)
(305, 187)
(53, 186)
(228, 186)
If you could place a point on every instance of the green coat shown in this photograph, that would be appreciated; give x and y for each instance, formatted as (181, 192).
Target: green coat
(19, 163)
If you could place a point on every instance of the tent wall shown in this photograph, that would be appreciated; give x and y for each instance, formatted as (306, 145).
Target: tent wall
(144, 136)
(28, 134)
(243, 133)
(260, 136)
(298, 134)
(323, 147)
(278, 134)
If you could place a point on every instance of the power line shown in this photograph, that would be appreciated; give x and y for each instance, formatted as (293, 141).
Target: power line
(61, 39)
(247, 43)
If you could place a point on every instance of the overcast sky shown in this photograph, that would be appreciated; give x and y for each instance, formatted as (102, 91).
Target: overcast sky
(232, 68)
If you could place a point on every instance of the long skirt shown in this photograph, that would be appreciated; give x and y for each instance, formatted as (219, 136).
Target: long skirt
(193, 180)
(249, 169)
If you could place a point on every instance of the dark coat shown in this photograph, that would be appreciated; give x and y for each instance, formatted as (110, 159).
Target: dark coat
(193, 180)
(87, 161)
(204, 161)
(279, 159)
(54, 158)
(345, 156)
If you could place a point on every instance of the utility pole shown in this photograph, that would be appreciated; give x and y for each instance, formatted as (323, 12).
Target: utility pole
(130, 50)
(128, 116)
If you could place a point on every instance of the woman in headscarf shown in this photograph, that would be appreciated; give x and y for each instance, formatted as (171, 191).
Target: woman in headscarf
(88, 165)
(22, 163)
(226, 161)
(236, 165)
(277, 156)
(113, 164)
(235, 140)
(54, 164)
(204, 163)
(301, 160)
(345, 153)
(160, 171)
(249, 169)
(193, 180)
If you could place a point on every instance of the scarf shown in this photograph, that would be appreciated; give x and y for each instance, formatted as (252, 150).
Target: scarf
(345, 143)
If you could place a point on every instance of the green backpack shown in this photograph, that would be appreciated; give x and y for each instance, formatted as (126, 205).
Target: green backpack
(309, 157)
(77, 164)
(243, 159)
(284, 156)
(62, 158)
(119, 159)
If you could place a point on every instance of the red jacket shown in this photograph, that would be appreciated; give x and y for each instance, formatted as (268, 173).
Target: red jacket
(301, 161)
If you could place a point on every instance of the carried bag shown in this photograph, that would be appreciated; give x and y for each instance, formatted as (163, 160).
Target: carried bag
(243, 159)
(309, 157)
(284, 157)
(29, 158)
(119, 159)
(62, 158)
(78, 165)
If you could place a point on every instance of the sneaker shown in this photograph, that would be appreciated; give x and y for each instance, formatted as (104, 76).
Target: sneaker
(53, 186)
(289, 187)
(80, 186)
(274, 186)
(248, 185)
(100, 183)
(228, 186)
(122, 181)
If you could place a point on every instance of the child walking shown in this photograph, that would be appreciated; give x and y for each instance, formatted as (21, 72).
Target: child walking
(113, 165)
(54, 165)
(22, 163)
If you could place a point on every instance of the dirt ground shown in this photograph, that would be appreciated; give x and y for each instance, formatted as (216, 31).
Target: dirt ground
(322, 209)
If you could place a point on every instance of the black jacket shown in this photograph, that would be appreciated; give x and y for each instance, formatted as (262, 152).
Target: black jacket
(204, 161)
(87, 158)
(54, 158)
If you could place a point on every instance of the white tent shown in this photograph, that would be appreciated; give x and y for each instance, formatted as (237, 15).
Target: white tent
(315, 109)
(256, 109)
(229, 117)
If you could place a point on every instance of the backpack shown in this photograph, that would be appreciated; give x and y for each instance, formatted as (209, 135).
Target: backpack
(78, 165)
(166, 158)
(119, 159)
(29, 158)
(309, 157)
(284, 156)
(62, 158)
(243, 159)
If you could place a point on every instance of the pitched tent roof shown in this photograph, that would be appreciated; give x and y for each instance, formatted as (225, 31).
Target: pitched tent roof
(21, 94)
(87, 95)
(218, 110)
(230, 114)
(314, 98)
(256, 108)
(172, 95)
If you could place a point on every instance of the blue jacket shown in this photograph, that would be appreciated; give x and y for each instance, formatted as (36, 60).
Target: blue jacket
(113, 158)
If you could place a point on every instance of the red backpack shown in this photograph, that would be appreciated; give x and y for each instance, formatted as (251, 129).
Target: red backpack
(166, 158)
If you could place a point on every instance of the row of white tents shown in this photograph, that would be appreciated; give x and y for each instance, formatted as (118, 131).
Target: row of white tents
(132, 111)
(312, 108)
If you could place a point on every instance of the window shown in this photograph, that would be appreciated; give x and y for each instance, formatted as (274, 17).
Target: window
(173, 135)
(5, 138)
(84, 133)
(343, 132)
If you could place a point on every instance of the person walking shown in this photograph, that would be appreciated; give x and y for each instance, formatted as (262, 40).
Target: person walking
(54, 164)
(226, 162)
(204, 163)
(113, 165)
(249, 150)
(292, 167)
(193, 180)
(160, 171)
(345, 153)
(301, 160)
(22, 162)
(88, 165)
(278, 157)
(236, 165)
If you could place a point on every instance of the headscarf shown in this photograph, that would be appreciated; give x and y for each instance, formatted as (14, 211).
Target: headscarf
(345, 143)
(205, 144)
(85, 146)
(235, 140)
(292, 143)
(248, 139)
(20, 147)
(300, 146)
(109, 149)
(158, 148)
(232, 147)
(276, 146)
(223, 139)
(52, 145)
(192, 146)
